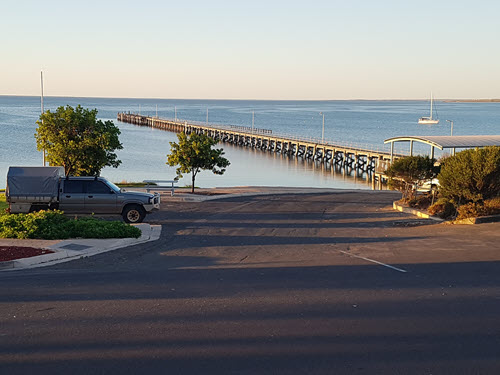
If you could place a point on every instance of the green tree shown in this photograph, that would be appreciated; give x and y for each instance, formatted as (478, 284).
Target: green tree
(195, 153)
(409, 173)
(75, 139)
(472, 175)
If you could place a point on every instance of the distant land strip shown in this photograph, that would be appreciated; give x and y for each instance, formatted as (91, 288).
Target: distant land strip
(472, 101)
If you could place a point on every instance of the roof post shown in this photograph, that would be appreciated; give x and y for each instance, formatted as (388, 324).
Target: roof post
(411, 148)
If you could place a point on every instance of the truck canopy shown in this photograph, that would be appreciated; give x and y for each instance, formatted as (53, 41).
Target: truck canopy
(33, 181)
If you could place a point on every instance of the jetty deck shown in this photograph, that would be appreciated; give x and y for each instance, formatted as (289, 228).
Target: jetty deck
(368, 159)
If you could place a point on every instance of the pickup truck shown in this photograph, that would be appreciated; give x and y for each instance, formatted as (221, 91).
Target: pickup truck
(36, 188)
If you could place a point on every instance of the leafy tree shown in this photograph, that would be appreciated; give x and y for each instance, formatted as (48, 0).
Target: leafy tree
(194, 153)
(472, 175)
(75, 139)
(409, 173)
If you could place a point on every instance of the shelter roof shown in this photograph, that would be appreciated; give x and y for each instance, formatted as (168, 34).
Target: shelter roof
(448, 141)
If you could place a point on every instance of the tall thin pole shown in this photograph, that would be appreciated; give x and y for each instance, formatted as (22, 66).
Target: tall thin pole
(431, 106)
(451, 122)
(42, 110)
(323, 131)
(41, 85)
(323, 128)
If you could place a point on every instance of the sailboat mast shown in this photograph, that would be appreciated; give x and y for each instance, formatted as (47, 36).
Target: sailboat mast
(431, 107)
(41, 86)
(41, 104)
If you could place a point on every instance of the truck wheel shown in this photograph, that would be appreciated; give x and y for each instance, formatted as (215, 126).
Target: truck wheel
(133, 214)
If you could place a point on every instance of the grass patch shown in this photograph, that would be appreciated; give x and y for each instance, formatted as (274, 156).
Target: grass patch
(3, 204)
(52, 225)
(133, 184)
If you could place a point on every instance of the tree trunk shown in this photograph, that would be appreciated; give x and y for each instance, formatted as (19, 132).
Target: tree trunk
(192, 182)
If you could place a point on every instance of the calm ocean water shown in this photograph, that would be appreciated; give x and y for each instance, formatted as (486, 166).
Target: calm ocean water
(145, 150)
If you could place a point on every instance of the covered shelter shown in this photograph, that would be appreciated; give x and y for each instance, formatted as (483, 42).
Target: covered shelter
(446, 142)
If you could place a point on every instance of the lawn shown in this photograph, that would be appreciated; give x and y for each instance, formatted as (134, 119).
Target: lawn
(3, 204)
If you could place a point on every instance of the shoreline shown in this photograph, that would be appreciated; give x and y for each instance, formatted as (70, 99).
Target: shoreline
(471, 100)
(258, 100)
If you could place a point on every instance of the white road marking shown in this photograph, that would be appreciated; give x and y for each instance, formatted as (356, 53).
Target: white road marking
(374, 261)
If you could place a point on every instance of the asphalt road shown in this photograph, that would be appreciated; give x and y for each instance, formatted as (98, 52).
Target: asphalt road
(292, 284)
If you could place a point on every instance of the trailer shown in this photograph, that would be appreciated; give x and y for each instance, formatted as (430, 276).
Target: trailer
(33, 188)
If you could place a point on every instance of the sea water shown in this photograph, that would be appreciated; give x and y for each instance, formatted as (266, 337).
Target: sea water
(359, 122)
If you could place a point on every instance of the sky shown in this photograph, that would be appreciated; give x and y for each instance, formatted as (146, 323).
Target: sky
(271, 50)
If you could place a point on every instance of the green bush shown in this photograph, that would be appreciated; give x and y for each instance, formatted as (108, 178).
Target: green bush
(471, 176)
(51, 225)
(443, 208)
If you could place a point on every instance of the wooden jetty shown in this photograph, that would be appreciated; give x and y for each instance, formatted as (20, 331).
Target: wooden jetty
(371, 161)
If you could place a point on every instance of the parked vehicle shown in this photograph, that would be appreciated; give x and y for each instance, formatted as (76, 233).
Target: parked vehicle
(36, 188)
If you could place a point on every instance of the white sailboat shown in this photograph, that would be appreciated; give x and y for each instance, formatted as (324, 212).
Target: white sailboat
(429, 120)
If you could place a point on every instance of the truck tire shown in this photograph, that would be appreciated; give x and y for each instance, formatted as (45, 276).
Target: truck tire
(133, 214)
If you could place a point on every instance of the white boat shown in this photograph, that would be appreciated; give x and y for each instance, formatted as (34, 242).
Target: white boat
(430, 119)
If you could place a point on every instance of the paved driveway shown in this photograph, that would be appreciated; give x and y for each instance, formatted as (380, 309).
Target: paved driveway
(332, 283)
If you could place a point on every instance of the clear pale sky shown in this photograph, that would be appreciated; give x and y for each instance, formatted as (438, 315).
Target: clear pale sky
(214, 49)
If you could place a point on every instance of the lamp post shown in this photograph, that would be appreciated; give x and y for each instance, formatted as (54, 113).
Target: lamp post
(41, 104)
(451, 122)
(323, 129)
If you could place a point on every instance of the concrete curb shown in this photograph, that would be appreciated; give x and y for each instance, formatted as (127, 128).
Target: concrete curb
(468, 221)
(478, 220)
(415, 212)
(67, 250)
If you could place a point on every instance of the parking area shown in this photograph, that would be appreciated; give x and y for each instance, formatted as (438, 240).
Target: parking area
(309, 228)
(333, 282)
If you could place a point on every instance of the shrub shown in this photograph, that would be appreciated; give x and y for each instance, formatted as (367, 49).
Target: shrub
(476, 209)
(51, 225)
(443, 208)
(471, 176)
(421, 201)
(492, 206)
(471, 209)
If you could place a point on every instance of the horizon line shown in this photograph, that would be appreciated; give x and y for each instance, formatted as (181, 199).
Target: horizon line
(263, 100)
